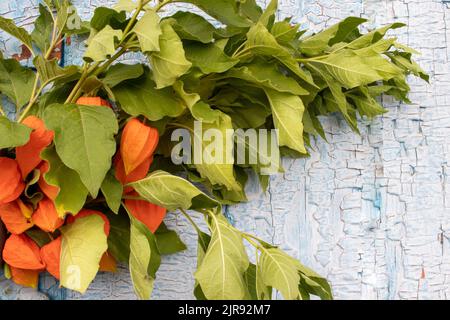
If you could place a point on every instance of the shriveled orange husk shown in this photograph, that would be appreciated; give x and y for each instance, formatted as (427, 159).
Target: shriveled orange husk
(26, 278)
(11, 183)
(46, 217)
(93, 101)
(51, 256)
(137, 174)
(108, 263)
(86, 213)
(29, 155)
(23, 253)
(138, 144)
(148, 213)
(14, 219)
(50, 191)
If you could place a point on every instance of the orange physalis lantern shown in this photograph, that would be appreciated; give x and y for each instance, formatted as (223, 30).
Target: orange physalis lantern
(93, 101)
(13, 218)
(86, 213)
(26, 278)
(50, 254)
(138, 144)
(11, 183)
(108, 263)
(23, 253)
(50, 191)
(29, 155)
(148, 213)
(46, 217)
(137, 174)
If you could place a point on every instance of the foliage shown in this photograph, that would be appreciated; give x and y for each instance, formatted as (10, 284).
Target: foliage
(87, 175)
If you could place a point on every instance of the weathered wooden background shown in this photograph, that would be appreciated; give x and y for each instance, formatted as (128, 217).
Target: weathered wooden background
(370, 212)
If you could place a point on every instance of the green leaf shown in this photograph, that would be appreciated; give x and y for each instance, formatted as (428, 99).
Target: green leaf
(170, 62)
(64, 9)
(225, 11)
(314, 284)
(101, 45)
(209, 58)
(112, 189)
(404, 61)
(7, 271)
(172, 192)
(140, 97)
(20, 33)
(50, 71)
(104, 17)
(269, 14)
(203, 244)
(258, 290)
(352, 69)
(84, 139)
(191, 26)
(126, 5)
(366, 105)
(144, 259)
(72, 192)
(261, 42)
(119, 237)
(221, 273)
(280, 271)
(121, 72)
(316, 44)
(374, 36)
(287, 112)
(285, 33)
(217, 168)
(41, 238)
(148, 31)
(312, 124)
(16, 82)
(269, 163)
(199, 109)
(43, 29)
(168, 241)
(250, 115)
(267, 75)
(250, 9)
(83, 245)
(13, 134)
(336, 100)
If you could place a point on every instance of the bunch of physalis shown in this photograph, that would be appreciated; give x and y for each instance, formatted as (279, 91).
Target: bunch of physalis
(27, 207)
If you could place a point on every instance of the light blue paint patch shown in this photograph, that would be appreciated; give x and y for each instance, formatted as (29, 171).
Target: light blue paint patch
(51, 288)
(229, 215)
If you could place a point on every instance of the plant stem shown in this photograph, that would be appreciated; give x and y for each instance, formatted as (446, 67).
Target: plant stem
(54, 33)
(132, 22)
(110, 61)
(250, 239)
(237, 52)
(33, 99)
(95, 69)
(188, 217)
(79, 84)
(162, 4)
